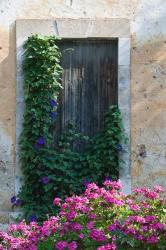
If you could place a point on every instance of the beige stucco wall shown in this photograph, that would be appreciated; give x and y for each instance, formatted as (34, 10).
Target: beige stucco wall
(148, 80)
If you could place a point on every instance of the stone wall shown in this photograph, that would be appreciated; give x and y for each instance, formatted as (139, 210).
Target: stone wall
(148, 81)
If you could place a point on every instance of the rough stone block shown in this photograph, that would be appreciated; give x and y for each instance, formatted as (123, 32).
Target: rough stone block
(124, 98)
(5, 195)
(124, 76)
(82, 28)
(127, 185)
(26, 28)
(3, 227)
(126, 120)
(124, 51)
(15, 217)
(4, 217)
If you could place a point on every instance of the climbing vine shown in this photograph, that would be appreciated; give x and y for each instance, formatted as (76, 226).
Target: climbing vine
(51, 171)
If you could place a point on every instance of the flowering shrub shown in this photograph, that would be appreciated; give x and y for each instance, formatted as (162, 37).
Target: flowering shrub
(102, 218)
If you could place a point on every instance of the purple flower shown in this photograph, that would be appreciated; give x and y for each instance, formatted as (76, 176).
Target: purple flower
(53, 103)
(81, 236)
(90, 225)
(76, 226)
(45, 180)
(150, 218)
(60, 245)
(114, 226)
(13, 199)
(152, 239)
(32, 217)
(72, 245)
(41, 141)
(53, 115)
(18, 202)
(120, 148)
(86, 182)
(108, 178)
(97, 235)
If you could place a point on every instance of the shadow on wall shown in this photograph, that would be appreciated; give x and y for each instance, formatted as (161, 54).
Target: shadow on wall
(7, 120)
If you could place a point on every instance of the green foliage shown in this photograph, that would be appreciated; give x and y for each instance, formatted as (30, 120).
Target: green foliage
(99, 159)
(103, 152)
(60, 171)
(41, 86)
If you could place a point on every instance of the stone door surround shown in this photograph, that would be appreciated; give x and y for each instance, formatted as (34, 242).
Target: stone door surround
(108, 28)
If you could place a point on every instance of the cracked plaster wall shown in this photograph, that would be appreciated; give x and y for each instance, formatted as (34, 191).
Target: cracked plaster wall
(148, 81)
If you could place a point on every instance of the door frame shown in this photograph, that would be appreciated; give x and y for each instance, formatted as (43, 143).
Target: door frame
(79, 28)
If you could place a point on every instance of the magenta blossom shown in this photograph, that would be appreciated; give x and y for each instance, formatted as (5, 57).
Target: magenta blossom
(97, 235)
(159, 189)
(72, 245)
(96, 217)
(57, 201)
(60, 245)
(117, 185)
(152, 239)
(90, 225)
(107, 247)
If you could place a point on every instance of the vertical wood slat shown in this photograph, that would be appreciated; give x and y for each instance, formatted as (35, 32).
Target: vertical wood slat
(90, 83)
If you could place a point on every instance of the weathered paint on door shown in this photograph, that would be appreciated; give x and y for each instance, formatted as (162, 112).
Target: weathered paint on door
(90, 83)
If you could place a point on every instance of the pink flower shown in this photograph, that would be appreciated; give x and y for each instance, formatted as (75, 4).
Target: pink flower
(90, 225)
(92, 216)
(107, 247)
(150, 218)
(119, 202)
(114, 226)
(152, 239)
(62, 213)
(60, 245)
(112, 199)
(97, 235)
(45, 231)
(64, 206)
(145, 204)
(107, 183)
(117, 185)
(57, 202)
(157, 226)
(72, 245)
(151, 195)
(144, 228)
(159, 189)
(139, 190)
(84, 209)
(81, 236)
(129, 201)
(92, 186)
(130, 231)
(137, 218)
(69, 200)
(134, 207)
(76, 226)
(71, 215)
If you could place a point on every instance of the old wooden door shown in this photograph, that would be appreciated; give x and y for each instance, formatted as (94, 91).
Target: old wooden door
(90, 83)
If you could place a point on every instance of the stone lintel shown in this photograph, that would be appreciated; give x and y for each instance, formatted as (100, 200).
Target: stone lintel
(74, 28)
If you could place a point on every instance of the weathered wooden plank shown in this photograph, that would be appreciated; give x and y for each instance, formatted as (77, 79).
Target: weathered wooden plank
(90, 83)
